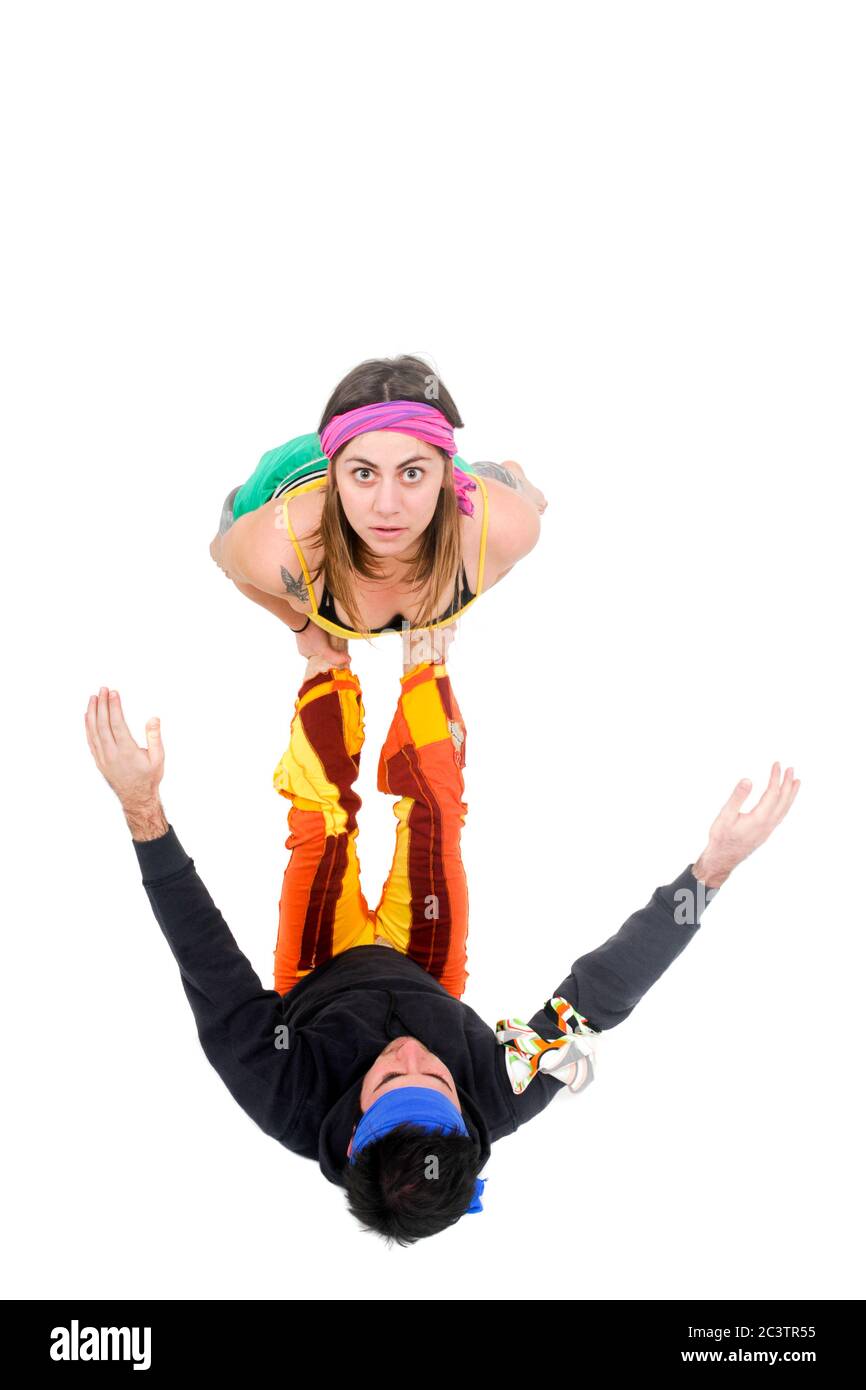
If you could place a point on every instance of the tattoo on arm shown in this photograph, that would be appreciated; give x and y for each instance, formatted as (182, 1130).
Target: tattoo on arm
(296, 587)
(503, 475)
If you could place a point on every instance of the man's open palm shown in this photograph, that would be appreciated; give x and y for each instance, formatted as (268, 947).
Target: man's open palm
(134, 773)
(734, 833)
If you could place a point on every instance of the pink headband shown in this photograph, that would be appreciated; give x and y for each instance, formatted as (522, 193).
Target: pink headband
(422, 421)
(403, 417)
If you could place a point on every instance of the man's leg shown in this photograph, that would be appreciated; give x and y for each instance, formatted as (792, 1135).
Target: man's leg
(322, 908)
(424, 909)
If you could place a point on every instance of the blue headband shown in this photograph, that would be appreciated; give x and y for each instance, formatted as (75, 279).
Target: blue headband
(417, 1105)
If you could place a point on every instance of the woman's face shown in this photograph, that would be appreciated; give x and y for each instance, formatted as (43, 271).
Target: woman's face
(389, 486)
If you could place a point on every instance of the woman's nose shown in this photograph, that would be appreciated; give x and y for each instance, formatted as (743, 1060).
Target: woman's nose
(386, 499)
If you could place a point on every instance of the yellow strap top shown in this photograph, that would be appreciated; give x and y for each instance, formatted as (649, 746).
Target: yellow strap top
(337, 628)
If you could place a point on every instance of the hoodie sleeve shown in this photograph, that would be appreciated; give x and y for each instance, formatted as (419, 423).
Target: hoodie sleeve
(606, 984)
(238, 1022)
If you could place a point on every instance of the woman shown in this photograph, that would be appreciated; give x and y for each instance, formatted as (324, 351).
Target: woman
(371, 524)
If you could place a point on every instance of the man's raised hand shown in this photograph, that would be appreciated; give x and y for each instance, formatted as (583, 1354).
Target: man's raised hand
(735, 834)
(133, 773)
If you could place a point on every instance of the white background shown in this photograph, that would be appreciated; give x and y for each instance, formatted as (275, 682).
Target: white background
(630, 239)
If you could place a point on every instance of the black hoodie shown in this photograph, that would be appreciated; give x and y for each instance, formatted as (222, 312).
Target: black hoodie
(296, 1063)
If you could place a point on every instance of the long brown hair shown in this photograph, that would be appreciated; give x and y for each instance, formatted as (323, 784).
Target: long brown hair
(344, 553)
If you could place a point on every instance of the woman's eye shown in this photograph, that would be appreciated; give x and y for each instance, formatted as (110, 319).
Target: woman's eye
(418, 472)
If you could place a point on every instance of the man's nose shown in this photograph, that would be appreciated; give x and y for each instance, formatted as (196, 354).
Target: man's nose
(411, 1053)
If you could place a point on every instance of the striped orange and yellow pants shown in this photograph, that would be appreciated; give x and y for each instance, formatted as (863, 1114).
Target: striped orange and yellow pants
(423, 910)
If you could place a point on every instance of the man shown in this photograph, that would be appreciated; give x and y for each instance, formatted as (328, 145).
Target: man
(365, 1059)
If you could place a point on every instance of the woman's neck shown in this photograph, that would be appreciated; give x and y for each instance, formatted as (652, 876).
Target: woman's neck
(396, 570)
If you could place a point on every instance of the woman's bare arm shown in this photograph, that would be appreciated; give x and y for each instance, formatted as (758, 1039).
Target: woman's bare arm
(513, 528)
(259, 558)
(238, 551)
(512, 475)
(280, 607)
(257, 553)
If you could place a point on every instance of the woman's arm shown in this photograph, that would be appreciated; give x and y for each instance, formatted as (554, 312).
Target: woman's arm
(256, 553)
(513, 476)
(262, 563)
(280, 607)
(238, 551)
(513, 527)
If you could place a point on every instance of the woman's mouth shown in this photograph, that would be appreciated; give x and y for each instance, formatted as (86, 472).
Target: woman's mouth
(388, 530)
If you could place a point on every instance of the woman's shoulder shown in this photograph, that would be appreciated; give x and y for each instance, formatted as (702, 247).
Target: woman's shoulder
(270, 534)
(301, 509)
(512, 524)
(500, 531)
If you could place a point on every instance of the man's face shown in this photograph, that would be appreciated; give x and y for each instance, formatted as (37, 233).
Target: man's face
(386, 479)
(406, 1062)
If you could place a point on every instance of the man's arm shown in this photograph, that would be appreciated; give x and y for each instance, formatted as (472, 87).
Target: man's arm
(605, 984)
(238, 1022)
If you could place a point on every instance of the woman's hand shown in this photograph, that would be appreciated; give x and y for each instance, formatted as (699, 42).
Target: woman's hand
(734, 835)
(315, 641)
(427, 644)
(320, 663)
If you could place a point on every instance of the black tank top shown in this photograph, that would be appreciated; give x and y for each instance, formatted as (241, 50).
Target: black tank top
(462, 595)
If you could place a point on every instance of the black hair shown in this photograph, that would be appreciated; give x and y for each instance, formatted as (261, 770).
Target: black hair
(412, 1182)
